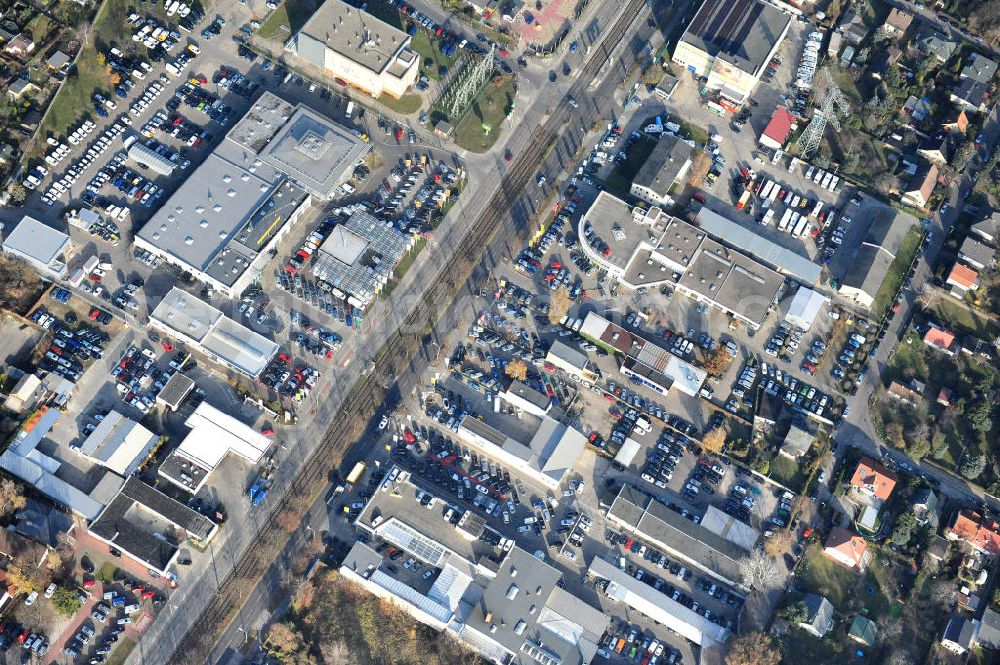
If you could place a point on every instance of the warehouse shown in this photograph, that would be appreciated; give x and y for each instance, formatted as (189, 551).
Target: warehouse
(150, 527)
(358, 258)
(118, 444)
(41, 246)
(805, 307)
(745, 240)
(730, 43)
(208, 331)
(356, 48)
(875, 256)
(656, 605)
(570, 360)
(640, 514)
(548, 457)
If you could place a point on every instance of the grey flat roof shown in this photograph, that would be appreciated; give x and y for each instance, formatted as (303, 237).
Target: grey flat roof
(229, 340)
(741, 32)
(529, 394)
(214, 209)
(353, 34)
(37, 240)
(656, 522)
(175, 390)
(315, 151)
(568, 354)
(605, 213)
(977, 251)
(738, 236)
(734, 281)
(680, 242)
(663, 165)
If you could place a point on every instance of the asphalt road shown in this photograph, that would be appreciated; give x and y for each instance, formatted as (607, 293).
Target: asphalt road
(593, 107)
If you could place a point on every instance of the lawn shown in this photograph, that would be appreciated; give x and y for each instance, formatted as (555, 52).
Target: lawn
(788, 472)
(73, 100)
(405, 105)
(106, 573)
(845, 588)
(490, 107)
(619, 181)
(956, 316)
(897, 272)
(121, 652)
(287, 19)
(800, 648)
(431, 57)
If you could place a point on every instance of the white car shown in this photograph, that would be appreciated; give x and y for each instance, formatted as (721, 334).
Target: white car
(382, 424)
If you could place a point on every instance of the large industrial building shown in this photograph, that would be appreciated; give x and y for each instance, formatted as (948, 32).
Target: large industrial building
(503, 602)
(358, 257)
(644, 361)
(730, 42)
(118, 443)
(204, 328)
(875, 256)
(41, 246)
(647, 248)
(221, 224)
(356, 49)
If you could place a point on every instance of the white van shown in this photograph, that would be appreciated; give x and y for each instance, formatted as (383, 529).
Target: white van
(350, 110)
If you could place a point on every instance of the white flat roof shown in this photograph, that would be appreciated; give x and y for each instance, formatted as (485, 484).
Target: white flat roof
(805, 307)
(214, 434)
(32, 238)
(188, 315)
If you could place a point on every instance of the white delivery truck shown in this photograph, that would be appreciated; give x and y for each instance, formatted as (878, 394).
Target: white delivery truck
(801, 226)
(785, 218)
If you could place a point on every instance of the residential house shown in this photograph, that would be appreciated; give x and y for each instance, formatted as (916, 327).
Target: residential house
(797, 442)
(20, 46)
(944, 397)
(960, 635)
(43, 522)
(962, 279)
(899, 22)
(980, 68)
(917, 109)
(884, 61)
(977, 254)
(918, 192)
(958, 125)
(873, 481)
(903, 393)
(819, 617)
(987, 229)
(847, 548)
(926, 506)
(974, 80)
(937, 45)
(970, 94)
(853, 28)
(989, 630)
(21, 87)
(980, 532)
(863, 630)
(58, 61)
(940, 339)
(938, 149)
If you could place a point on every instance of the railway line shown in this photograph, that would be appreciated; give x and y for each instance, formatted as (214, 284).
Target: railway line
(369, 391)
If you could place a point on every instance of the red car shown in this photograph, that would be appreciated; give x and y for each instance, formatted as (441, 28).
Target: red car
(267, 432)
(408, 435)
(87, 584)
(167, 346)
(504, 52)
(93, 313)
(808, 532)
(399, 133)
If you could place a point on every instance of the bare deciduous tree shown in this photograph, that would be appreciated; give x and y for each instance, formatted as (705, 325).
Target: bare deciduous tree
(758, 570)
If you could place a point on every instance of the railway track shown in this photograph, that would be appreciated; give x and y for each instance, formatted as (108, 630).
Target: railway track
(368, 392)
